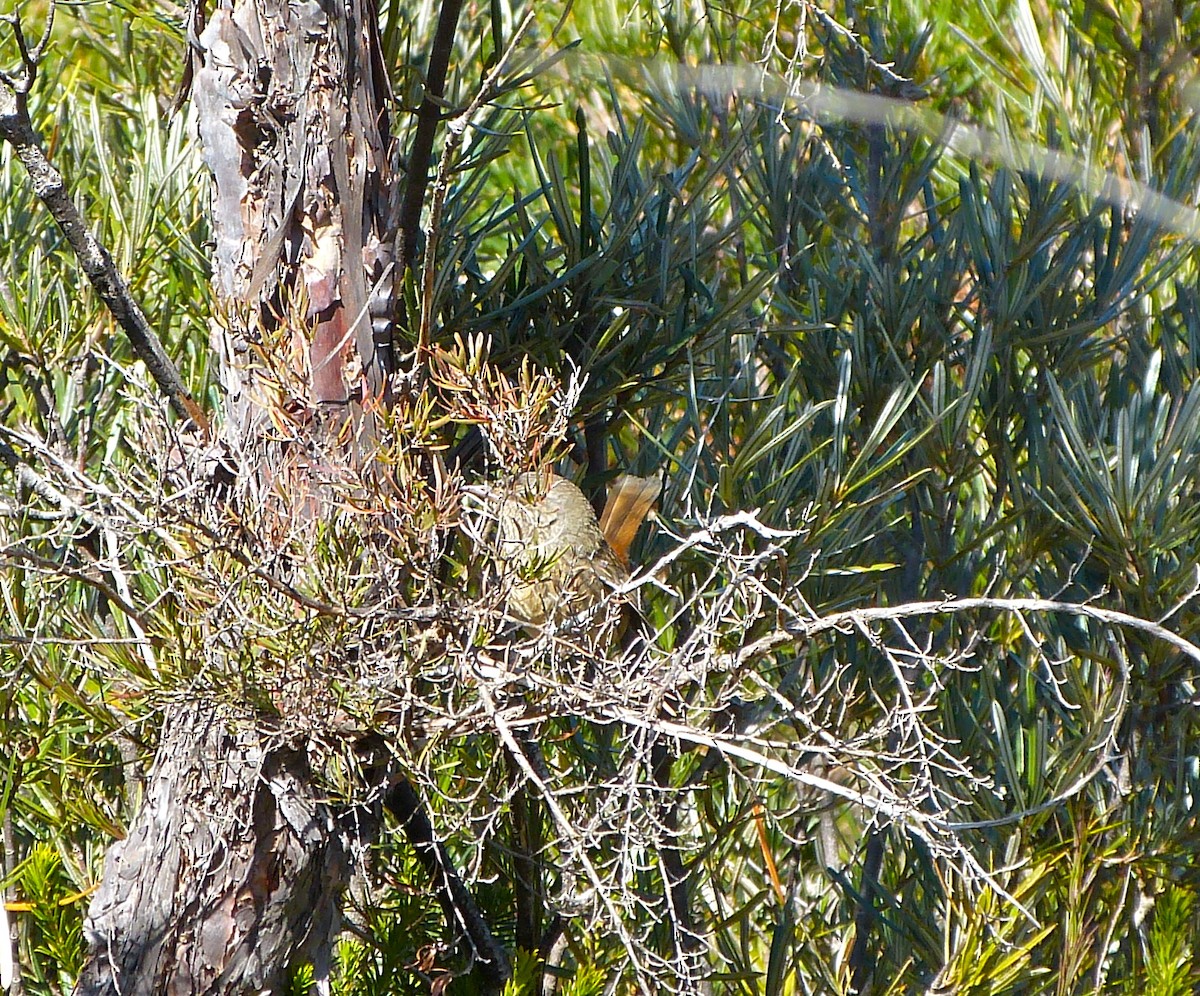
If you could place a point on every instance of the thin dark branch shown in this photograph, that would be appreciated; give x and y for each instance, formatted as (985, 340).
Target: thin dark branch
(22, 82)
(689, 942)
(12, 931)
(428, 116)
(458, 905)
(528, 862)
(862, 963)
(457, 131)
(97, 262)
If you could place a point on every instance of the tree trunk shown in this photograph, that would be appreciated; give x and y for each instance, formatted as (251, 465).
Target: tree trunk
(293, 123)
(234, 868)
(230, 872)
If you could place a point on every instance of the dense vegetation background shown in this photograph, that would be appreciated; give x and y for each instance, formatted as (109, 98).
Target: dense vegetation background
(943, 342)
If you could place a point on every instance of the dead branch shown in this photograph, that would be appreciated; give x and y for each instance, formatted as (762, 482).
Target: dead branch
(96, 261)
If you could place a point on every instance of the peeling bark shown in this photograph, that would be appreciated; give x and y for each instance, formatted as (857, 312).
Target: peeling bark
(293, 118)
(232, 870)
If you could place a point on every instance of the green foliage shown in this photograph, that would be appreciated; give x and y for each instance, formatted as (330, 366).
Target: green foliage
(51, 952)
(67, 377)
(942, 375)
(1170, 967)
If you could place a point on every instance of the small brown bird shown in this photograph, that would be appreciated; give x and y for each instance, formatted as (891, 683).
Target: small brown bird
(563, 561)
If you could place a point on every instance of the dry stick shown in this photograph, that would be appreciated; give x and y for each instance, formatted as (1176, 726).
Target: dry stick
(17, 129)
(570, 834)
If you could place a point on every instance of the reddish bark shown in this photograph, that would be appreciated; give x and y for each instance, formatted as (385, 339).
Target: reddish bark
(234, 868)
(231, 872)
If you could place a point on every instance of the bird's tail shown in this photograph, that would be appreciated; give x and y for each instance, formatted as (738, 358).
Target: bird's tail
(629, 501)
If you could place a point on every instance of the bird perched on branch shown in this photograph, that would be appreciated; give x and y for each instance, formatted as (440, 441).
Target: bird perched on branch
(562, 559)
